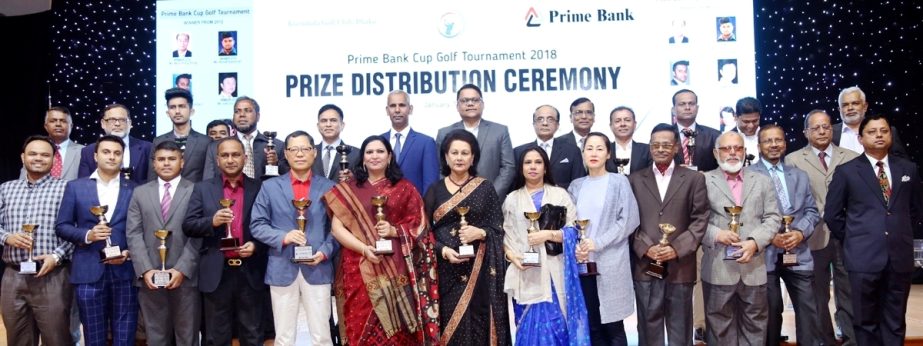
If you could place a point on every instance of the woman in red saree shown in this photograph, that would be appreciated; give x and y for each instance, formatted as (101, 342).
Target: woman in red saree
(383, 299)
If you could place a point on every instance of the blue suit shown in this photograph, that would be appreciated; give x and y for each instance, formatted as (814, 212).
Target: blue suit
(139, 150)
(805, 213)
(274, 216)
(877, 239)
(99, 285)
(419, 159)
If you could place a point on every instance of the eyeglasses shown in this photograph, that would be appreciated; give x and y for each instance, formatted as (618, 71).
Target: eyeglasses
(825, 127)
(731, 149)
(113, 121)
(772, 141)
(662, 146)
(296, 150)
(469, 100)
(549, 120)
(583, 113)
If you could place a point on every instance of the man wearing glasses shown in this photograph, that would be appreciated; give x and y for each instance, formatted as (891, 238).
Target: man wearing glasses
(582, 116)
(137, 156)
(496, 162)
(566, 161)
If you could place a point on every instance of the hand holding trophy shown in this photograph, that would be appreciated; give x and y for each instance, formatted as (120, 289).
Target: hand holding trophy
(110, 251)
(731, 252)
(465, 250)
(531, 258)
(789, 259)
(303, 253)
(383, 246)
(162, 277)
(587, 268)
(29, 266)
(228, 243)
(657, 268)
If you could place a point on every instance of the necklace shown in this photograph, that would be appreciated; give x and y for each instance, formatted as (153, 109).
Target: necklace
(459, 184)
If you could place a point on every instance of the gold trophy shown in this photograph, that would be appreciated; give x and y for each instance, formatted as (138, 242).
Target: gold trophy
(343, 150)
(531, 258)
(271, 170)
(621, 163)
(110, 251)
(29, 266)
(383, 246)
(657, 269)
(303, 253)
(228, 243)
(690, 146)
(733, 226)
(465, 250)
(587, 268)
(162, 277)
(789, 259)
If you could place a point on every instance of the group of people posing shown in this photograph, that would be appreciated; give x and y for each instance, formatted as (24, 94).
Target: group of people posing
(461, 239)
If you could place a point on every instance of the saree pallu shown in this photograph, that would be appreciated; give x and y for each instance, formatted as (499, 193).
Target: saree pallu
(395, 301)
(473, 306)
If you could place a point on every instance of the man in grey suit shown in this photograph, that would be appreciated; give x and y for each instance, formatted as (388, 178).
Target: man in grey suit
(58, 125)
(819, 159)
(330, 124)
(496, 163)
(735, 289)
(794, 198)
(193, 144)
(667, 193)
(171, 313)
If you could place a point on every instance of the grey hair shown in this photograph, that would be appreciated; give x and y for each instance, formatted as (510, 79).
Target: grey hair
(808, 117)
(729, 133)
(848, 90)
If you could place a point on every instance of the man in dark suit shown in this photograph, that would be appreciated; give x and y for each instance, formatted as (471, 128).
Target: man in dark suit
(246, 118)
(566, 160)
(582, 117)
(193, 144)
(622, 123)
(496, 163)
(104, 290)
(116, 121)
(874, 206)
(794, 198)
(330, 125)
(853, 106)
(685, 110)
(667, 193)
(415, 152)
(231, 281)
(172, 313)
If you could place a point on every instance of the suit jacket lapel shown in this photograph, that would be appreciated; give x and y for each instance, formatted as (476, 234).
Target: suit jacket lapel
(135, 150)
(483, 130)
(71, 155)
(122, 202)
(406, 145)
(650, 183)
(747, 188)
(154, 199)
(866, 173)
(676, 182)
(183, 190)
(808, 155)
(897, 172)
(719, 181)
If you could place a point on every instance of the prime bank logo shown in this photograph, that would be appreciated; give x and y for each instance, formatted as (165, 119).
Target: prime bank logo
(532, 18)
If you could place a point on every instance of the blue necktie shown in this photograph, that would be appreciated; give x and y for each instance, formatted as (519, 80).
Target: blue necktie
(397, 146)
(775, 172)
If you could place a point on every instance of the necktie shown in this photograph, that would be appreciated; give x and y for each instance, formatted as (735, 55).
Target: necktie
(327, 151)
(547, 148)
(883, 181)
(58, 165)
(775, 173)
(823, 162)
(165, 201)
(686, 146)
(397, 146)
(249, 169)
(580, 143)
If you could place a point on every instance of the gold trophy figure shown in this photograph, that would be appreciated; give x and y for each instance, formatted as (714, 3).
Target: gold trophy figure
(587, 268)
(465, 250)
(657, 268)
(303, 253)
(271, 170)
(29, 266)
(789, 259)
(162, 277)
(530, 258)
(110, 251)
(383, 246)
(733, 226)
(228, 243)
(343, 150)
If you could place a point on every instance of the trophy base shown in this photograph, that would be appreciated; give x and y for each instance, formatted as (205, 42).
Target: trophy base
(272, 171)
(161, 278)
(656, 270)
(384, 247)
(228, 244)
(303, 254)
(28, 268)
(466, 251)
(789, 259)
(110, 253)
(531, 259)
(588, 269)
(730, 255)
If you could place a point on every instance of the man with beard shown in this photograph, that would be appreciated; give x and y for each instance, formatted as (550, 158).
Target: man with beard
(194, 145)
(58, 125)
(853, 106)
(733, 271)
(415, 152)
(246, 117)
(565, 160)
(137, 155)
(330, 124)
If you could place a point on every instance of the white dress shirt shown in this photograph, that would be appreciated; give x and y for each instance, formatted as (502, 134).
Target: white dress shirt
(473, 130)
(108, 195)
(547, 145)
(404, 133)
(887, 168)
(173, 184)
(849, 139)
(663, 180)
(579, 140)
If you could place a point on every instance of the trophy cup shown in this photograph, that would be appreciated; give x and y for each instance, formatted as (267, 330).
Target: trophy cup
(343, 150)
(748, 160)
(530, 258)
(465, 250)
(181, 142)
(383, 245)
(587, 268)
(789, 259)
(690, 146)
(228, 243)
(271, 170)
(621, 163)
(733, 226)
(304, 253)
(29, 266)
(127, 172)
(162, 277)
(111, 251)
(656, 269)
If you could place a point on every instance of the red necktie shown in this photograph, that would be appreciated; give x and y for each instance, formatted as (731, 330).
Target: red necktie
(883, 181)
(823, 161)
(57, 166)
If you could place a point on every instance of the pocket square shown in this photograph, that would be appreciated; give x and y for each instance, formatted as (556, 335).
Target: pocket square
(565, 160)
(905, 179)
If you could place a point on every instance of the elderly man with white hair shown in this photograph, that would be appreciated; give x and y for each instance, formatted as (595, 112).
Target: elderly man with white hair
(853, 106)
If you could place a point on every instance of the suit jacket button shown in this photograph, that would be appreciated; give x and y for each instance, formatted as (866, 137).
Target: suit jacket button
(661, 213)
(889, 213)
(886, 234)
